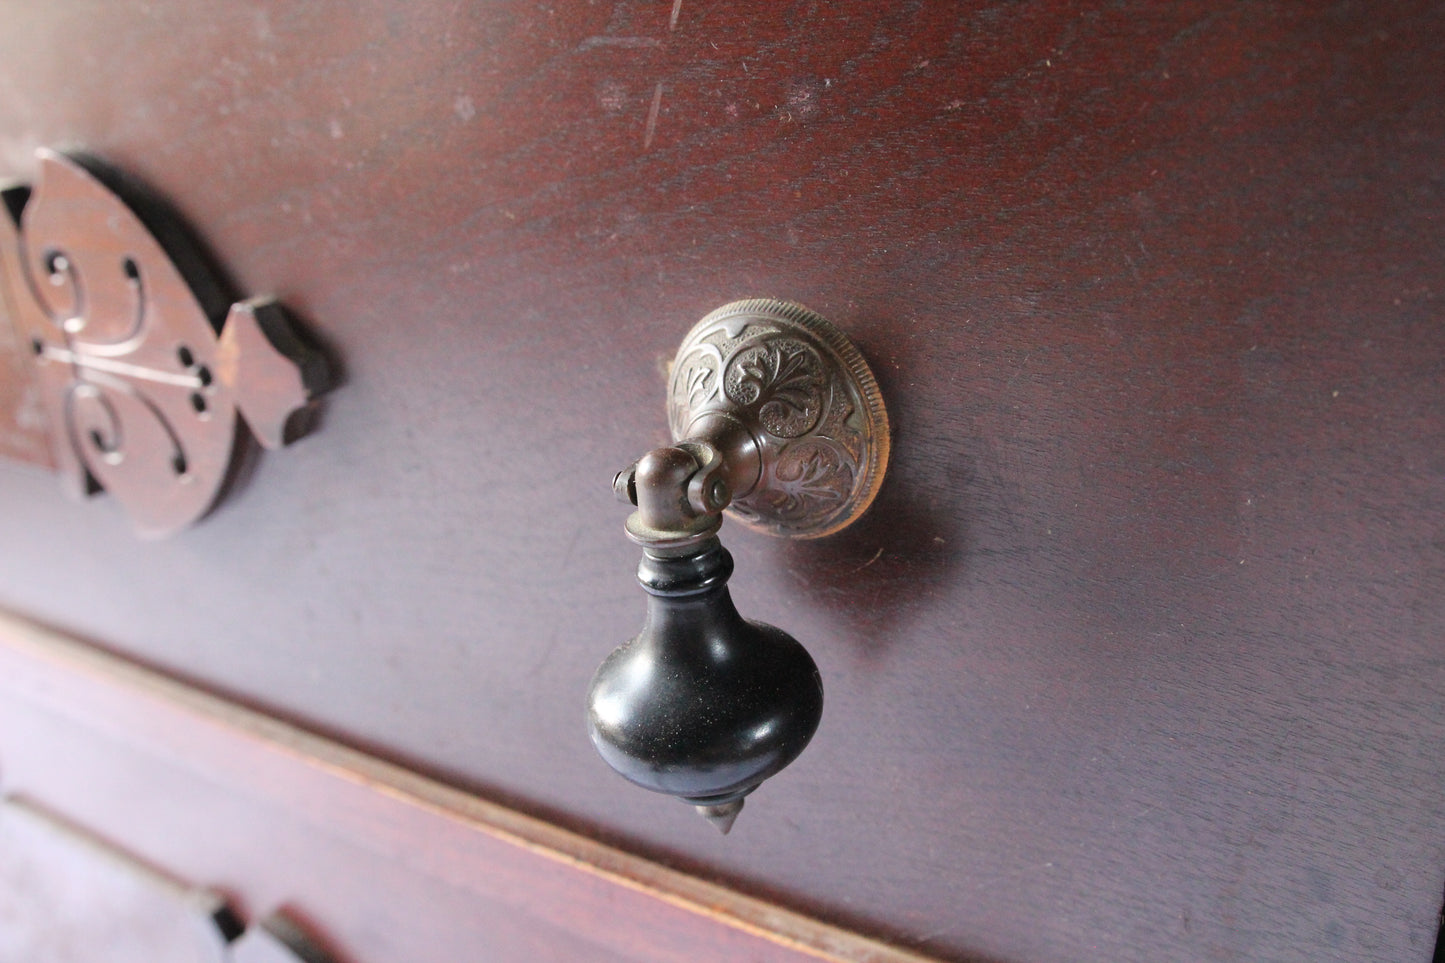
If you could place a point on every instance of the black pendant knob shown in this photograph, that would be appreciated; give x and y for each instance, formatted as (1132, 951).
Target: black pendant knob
(779, 421)
(702, 704)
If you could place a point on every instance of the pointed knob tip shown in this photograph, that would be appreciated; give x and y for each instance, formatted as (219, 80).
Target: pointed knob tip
(722, 816)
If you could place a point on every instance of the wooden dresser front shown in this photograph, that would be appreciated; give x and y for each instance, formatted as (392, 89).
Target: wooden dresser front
(1139, 655)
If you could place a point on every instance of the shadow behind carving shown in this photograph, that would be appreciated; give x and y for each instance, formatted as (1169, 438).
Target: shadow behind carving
(213, 289)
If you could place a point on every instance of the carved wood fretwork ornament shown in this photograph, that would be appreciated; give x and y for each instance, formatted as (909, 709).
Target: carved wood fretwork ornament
(143, 369)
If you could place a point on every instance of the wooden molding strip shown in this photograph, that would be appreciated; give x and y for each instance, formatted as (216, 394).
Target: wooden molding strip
(631, 904)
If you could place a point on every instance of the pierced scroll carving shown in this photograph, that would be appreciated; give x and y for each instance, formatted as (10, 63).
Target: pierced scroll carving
(142, 369)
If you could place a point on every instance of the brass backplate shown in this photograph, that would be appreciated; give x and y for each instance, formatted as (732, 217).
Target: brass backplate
(809, 400)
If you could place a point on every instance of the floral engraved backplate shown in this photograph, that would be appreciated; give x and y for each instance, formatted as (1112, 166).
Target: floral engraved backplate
(143, 369)
(808, 399)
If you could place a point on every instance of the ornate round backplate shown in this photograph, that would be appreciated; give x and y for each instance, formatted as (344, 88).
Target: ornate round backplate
(809, 401)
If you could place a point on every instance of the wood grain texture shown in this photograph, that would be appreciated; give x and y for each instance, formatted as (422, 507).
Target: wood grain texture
(98, 731)
(22, 419)
(1137, 656)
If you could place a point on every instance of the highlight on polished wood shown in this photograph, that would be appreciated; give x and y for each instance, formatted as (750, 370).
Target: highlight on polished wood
(66, 894)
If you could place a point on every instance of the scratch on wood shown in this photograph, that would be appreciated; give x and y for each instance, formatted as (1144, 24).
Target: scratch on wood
(676, 12)
(876, 556)
(607, 41)
(652, 116)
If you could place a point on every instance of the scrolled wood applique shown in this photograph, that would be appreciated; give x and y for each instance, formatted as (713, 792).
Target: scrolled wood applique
(144, 370)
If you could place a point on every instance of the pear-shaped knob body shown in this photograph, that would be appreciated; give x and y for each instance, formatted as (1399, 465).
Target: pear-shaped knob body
(702, 704)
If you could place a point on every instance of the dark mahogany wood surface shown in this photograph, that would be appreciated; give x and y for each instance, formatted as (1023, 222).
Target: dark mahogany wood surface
(1137, 657)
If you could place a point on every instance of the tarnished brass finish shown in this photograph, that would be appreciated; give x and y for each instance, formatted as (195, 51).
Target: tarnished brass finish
(141, 393)
(794, 409)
